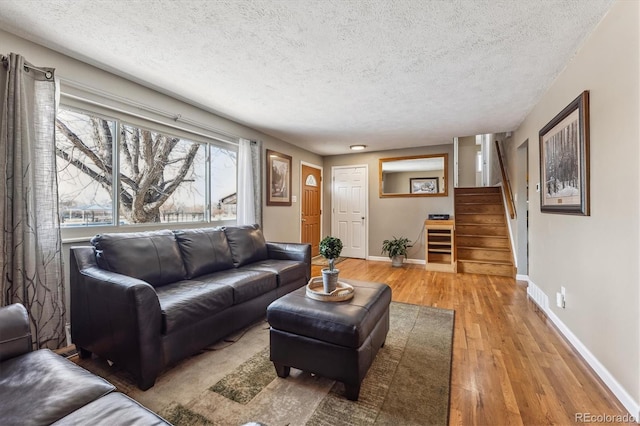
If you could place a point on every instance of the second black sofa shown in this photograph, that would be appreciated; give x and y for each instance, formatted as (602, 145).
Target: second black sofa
(147, 300)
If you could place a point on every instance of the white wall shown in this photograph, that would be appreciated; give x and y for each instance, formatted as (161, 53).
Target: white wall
(596, 258)
(467, 152)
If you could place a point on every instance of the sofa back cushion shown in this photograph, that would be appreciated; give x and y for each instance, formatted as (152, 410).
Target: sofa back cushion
(204, 250)
(152, 256)
(247, 244)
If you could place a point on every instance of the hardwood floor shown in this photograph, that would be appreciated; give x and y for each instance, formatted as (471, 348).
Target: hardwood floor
(510, 364)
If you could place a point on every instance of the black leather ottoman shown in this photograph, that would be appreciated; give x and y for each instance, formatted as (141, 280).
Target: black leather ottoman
(337, 340)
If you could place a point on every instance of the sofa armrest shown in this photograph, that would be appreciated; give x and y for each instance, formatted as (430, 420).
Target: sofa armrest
(291, 251)
(115, 316)
(15, 333)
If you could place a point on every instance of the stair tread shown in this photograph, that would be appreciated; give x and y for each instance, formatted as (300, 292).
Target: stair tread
(490, 262)
(507, 249)
(493, 214)
(502, 237)
(479, 203)
(488, 223)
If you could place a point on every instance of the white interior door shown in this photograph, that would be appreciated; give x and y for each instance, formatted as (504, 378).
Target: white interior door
(349, 209)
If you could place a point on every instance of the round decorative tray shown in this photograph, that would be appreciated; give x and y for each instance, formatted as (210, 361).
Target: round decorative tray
(315, 291)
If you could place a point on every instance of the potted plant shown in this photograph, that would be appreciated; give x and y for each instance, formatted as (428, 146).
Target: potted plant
(397, 249)
(330, 249)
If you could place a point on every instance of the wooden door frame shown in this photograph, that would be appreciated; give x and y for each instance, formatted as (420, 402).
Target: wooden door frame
(366, 201)
(313, 166)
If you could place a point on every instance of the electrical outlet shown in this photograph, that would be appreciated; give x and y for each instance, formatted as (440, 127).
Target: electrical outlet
(560, 300)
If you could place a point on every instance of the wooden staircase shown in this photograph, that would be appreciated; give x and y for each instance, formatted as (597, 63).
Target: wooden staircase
(482, 236)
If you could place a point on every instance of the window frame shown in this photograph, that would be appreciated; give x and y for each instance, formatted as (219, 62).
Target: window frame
(81, 233)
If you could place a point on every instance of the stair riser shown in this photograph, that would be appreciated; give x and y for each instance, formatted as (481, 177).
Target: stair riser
(478, 190)
(492, 219)
(479, 208)
(486, 268)
(478, 199)
(481, 230)
(484, 254)
(488, 242)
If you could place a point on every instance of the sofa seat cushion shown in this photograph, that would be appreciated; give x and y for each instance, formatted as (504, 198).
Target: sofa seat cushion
(184, 303)
(247, 284)
(113, 409)
(152, 256)
(204, 250)
(288, 271)
(41, 387)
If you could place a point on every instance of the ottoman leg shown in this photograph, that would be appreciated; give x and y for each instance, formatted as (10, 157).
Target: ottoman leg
(352, 391)
(282, 370)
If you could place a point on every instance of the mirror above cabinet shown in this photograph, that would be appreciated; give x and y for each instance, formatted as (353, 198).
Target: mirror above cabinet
(414, 176)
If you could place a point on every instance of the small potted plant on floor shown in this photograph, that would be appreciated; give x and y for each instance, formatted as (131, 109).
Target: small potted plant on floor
(330, 249)
(396, 248)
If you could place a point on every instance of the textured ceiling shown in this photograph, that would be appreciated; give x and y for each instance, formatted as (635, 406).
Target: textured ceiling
(326, 74)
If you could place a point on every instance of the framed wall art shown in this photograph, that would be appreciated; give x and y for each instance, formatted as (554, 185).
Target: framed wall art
(423, 185)
(564, 160)
(278, 179)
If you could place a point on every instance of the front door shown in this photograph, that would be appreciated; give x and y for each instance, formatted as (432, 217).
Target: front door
(311, 185)
(349, 202)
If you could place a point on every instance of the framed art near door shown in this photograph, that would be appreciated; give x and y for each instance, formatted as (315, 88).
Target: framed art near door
(278, 179)
(564, 160)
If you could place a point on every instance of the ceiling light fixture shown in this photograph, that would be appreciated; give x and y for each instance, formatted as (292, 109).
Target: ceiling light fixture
(357, 147)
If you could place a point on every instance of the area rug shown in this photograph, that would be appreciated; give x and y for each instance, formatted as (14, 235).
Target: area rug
(233, 382)
(321, 261)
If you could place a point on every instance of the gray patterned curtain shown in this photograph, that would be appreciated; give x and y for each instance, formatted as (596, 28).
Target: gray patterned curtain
(31, 263)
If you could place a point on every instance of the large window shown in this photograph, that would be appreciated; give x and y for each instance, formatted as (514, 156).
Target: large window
(159, 177)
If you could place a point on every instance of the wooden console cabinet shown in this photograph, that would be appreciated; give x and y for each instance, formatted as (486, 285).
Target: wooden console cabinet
(440, 245)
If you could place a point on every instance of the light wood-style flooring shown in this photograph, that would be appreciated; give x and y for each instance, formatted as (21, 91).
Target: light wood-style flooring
(510, 364)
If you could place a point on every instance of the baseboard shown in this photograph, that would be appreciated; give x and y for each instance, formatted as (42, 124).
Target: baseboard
(542, 300)
(386, 259)
(520, 277)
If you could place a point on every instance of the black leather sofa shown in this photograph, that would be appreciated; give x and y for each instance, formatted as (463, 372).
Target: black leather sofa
(147, 300)
(42, 388)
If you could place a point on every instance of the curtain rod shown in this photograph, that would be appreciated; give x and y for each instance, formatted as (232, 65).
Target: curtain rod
(47, 74)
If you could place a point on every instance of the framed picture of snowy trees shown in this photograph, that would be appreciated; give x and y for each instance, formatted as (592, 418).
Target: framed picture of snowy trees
(564, 160)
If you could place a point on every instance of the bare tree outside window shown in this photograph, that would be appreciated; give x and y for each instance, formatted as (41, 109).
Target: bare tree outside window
(84, 169)
(155, 169)
(162, 177)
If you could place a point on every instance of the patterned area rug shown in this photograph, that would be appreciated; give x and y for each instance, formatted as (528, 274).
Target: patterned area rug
(234, 382)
